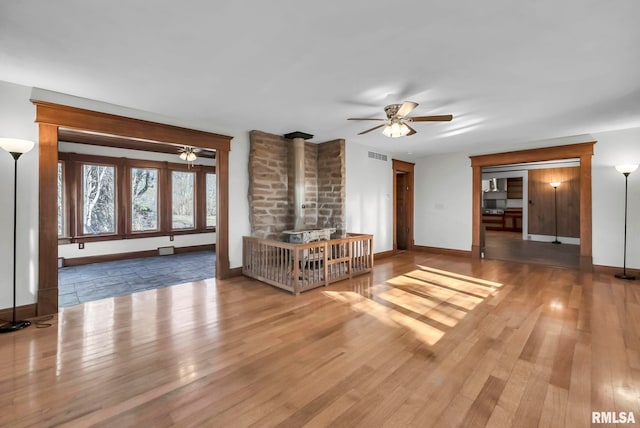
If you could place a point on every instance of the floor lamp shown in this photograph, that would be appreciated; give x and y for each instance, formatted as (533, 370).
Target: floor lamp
(555, 185)
(626, 170)
(16, 148)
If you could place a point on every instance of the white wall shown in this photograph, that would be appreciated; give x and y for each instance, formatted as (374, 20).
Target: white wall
(239, 225)
(70, 251)
(369, 196)
(442, 213)
(615, 148)
(17, 116)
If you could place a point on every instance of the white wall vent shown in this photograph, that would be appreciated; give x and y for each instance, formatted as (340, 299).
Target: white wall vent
(378, 156)
(166, 251)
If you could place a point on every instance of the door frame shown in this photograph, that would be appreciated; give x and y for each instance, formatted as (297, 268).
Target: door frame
(408, 169)
(50, 117)
(583, 151)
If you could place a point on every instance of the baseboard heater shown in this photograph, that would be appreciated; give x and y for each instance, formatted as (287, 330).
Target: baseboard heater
(166, 251)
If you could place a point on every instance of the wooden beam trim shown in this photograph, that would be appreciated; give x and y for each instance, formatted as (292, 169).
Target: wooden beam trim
(535, 155)
(76, 118)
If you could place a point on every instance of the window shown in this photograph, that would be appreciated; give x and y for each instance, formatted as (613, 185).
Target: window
(61, 228)
(144, 199)
(182, 200)
(98, 199)
(211, 200)
(104, 198)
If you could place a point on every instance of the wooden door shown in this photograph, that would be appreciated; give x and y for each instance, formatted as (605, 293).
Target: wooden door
(542, 201)
(401, 211)
(403, 175)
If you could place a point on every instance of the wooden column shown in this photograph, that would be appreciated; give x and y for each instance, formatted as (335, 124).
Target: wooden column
(476, 214)
(222, 227)
(48, 220)
(586, 257)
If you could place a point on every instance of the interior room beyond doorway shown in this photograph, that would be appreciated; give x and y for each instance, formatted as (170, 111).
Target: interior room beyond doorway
(526, 219)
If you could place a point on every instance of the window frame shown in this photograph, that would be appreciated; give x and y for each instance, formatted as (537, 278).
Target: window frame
(206, 173)
(79, 232)
(64, 194)
(196, 209)
(159, 200)
(72, 200)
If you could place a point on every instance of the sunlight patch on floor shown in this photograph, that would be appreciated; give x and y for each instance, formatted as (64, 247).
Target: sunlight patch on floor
(423, 332)
(415, 299)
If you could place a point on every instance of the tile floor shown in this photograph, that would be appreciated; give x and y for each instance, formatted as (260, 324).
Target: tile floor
(79, 284)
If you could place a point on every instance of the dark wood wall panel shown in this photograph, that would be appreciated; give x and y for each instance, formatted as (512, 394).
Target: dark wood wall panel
(541, 201)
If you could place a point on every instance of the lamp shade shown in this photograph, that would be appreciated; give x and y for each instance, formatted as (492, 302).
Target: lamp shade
(15, 145)
(626, 169)
(554, 184)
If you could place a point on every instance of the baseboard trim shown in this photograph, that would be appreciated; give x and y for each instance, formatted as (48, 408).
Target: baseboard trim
(77, 261)
(383, 254)
(443, 251)
(22, 312)
(612, 270)
(234, 272)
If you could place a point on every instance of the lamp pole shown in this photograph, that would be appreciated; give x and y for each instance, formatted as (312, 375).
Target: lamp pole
(625, 170)
(555, 185)
(16, 148)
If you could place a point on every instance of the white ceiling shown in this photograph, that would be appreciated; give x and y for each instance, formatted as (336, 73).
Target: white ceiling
(509, 71)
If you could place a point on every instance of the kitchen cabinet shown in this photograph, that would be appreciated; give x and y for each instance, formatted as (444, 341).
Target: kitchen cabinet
(510, 220)
(514, 188)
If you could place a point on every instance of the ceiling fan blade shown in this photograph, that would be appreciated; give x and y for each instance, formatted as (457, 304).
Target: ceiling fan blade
(411, 130)
(361, 118)
(406, 108)
(441, 118)
(372, 129)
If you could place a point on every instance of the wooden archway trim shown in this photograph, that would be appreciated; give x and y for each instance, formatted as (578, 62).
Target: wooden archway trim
(50, 117)
(583, 151)
(88, 120)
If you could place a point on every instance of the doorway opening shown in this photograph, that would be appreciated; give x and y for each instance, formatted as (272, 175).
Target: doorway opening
(581, 151)
(402, 205)
(131, 218)
(521, 220)
(52, 118)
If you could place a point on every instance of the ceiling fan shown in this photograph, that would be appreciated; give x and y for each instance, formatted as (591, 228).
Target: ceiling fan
(397, 123)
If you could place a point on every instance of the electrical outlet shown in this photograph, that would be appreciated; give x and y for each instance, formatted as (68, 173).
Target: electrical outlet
(81, 245)
(170, 237)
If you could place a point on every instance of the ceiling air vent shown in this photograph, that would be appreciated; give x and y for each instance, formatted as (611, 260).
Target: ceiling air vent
(378, 156)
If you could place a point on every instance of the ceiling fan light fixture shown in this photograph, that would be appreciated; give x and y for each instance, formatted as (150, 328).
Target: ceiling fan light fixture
(191, 157)
(395, 129)
(183, 156)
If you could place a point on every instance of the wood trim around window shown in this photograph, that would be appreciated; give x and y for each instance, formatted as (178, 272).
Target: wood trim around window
(73, 197)
(583, 151)
(50, 117)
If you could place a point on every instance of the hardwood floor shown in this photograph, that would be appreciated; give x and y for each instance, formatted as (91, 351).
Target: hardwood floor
(426, 340)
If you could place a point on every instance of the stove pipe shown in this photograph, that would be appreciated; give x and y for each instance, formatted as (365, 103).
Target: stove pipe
(298, 176)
